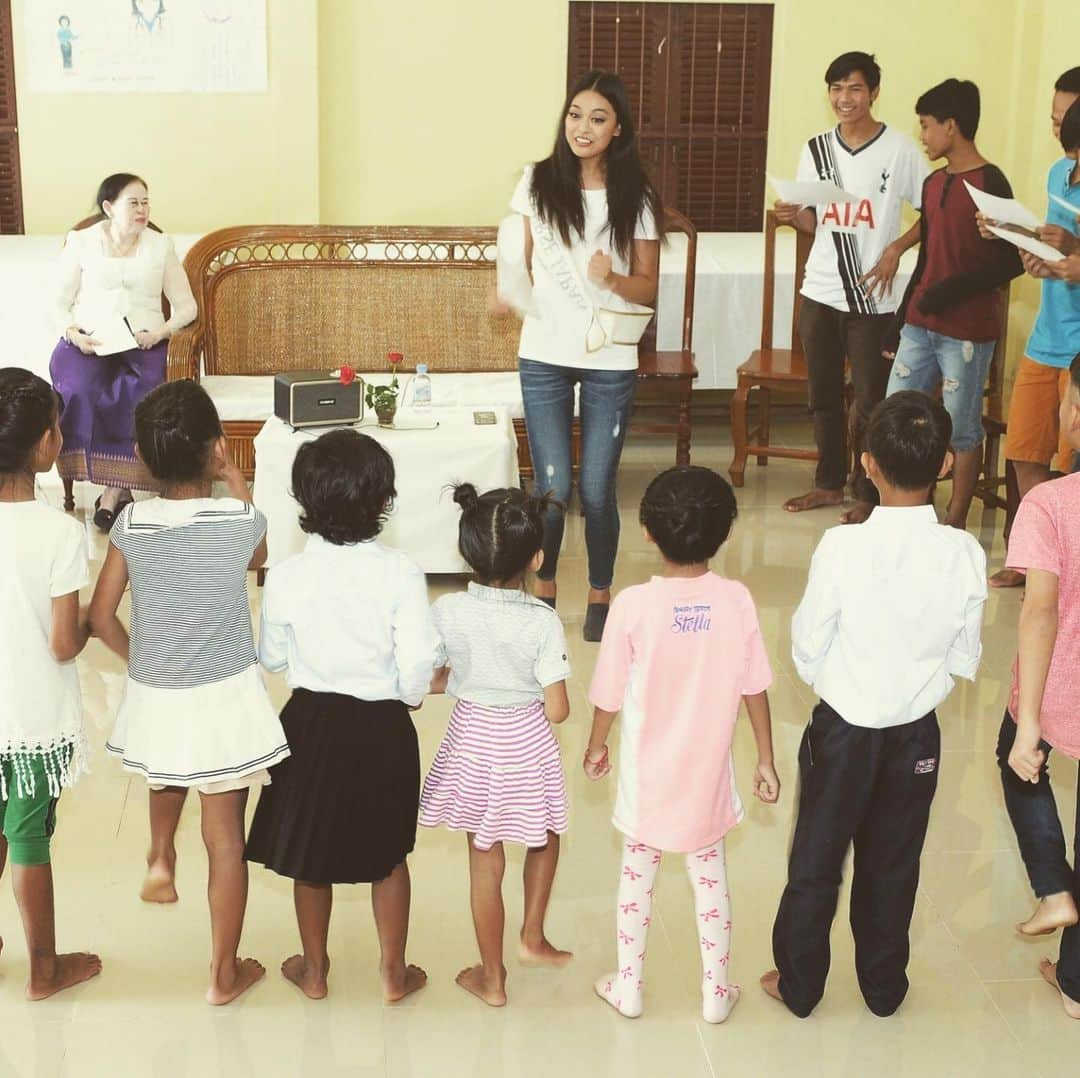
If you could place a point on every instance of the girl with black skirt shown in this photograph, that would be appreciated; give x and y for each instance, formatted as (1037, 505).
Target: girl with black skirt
(349, 621)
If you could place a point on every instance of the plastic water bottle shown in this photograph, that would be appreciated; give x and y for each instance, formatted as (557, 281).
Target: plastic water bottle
(422, 389)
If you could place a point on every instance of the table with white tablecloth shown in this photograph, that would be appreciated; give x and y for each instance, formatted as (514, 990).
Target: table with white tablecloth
(424, 521)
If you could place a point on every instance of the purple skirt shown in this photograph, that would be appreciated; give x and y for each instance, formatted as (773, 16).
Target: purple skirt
(98, 395)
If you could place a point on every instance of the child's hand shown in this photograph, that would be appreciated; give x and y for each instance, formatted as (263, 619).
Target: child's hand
(1026, 758)
(596, 765)
(766, 783)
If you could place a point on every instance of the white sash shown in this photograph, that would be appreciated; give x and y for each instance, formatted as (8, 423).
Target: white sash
(607, 325)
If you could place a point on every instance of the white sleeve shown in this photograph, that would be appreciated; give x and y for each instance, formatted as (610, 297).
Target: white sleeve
(68, 281)
(806, 173)
(416, 642)
(646, 224)
(918, 169)
(552, 664)
(71, 565)
(966, 650)
(273, 635)
(521, 200)
(177, 291)
(814, 625)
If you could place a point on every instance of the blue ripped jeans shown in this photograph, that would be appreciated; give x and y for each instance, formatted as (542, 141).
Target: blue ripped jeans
(606, 398)
(926, 360)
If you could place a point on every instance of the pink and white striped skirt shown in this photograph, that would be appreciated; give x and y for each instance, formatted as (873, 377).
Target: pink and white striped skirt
(498, 775)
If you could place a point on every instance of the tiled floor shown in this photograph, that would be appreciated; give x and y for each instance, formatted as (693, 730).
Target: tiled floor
(976, 1007)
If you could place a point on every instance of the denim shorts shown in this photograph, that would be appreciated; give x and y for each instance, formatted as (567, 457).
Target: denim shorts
(926, 359)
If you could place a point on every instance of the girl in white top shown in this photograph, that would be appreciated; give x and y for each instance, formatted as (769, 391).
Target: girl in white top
(115, 269)
(592, 223)
(42, 745)
(195, 712)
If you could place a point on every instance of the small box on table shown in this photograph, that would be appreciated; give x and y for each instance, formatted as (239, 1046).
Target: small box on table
(316, 399)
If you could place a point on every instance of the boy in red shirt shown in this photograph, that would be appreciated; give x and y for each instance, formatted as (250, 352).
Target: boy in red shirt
(1042, 714)
(948, 323)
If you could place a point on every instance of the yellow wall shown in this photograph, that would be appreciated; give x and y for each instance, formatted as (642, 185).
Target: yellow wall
(423, 111)
(210, 159)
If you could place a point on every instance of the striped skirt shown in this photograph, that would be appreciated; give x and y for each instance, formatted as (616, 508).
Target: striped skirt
(498, 775)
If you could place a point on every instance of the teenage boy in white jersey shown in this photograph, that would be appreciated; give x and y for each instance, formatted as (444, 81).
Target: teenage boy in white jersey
(848, 300)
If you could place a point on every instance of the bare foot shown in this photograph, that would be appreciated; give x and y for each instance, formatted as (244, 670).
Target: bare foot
(1008, 578)
(492, 990)
(1049, 971)
(859, 512)
(239, 979)
(816, 499)
(718, 1001)
(545, 955)
(621, 994)
(160, 882)
(403, 984)
(310, 980)
(770, 982)
(1053, 912)
(68, 970)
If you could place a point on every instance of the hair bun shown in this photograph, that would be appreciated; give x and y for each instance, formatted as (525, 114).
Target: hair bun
(466, 496)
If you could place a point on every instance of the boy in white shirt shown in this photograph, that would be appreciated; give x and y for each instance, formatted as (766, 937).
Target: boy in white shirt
(847, 297)
(891, 614)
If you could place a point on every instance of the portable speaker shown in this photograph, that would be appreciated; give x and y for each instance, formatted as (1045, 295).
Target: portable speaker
(314, 399)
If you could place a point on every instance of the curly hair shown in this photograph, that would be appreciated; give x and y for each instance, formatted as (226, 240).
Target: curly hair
(344, 482)
(689, 512)
(501, 530)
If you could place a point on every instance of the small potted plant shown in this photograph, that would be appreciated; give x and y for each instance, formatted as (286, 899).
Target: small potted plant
(383, 399)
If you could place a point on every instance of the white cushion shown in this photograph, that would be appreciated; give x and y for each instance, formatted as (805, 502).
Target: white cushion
(251, 397)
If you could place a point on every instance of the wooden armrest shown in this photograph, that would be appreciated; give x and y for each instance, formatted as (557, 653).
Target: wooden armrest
(183, 356)
(666, 365)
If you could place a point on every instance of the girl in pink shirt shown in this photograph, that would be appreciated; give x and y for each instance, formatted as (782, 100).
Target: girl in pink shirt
(678, 656)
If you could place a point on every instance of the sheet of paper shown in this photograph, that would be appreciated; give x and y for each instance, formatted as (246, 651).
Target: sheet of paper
(1075, 211)
(812, 193)
(1003, 210)
(113, 334)
(1026, 243)
(512, 282)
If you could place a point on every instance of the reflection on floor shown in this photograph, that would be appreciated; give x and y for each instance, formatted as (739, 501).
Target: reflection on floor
(976, 1007)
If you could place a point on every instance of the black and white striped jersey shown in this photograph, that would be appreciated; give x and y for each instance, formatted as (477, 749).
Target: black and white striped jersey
(884, 173)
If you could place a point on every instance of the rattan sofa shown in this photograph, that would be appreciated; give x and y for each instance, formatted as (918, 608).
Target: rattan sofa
(311, 297)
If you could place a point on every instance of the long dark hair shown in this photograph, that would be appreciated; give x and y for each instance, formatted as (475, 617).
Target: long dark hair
(556, 181)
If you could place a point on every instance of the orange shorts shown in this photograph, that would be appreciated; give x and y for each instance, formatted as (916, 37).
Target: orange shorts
(1033, 428)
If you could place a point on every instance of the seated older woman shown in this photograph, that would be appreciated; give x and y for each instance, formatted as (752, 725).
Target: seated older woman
(111, 272)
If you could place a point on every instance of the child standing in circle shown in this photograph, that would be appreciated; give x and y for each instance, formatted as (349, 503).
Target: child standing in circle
(679, 656)
(497, 775)
(195, 712)
(350, 622)
(42, 744)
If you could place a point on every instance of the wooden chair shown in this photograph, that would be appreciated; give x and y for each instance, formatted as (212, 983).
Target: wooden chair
(662, 403)
(994, 477)
(769, 368)
(87, 222)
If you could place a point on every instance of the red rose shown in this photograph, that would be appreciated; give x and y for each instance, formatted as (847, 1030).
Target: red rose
(395, 358)
(346, 374)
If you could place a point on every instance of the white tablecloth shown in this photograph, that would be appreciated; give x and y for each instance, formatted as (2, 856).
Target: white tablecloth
(424, 522)
(728, 299)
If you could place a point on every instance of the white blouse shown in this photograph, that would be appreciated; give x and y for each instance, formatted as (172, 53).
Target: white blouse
(94, 285)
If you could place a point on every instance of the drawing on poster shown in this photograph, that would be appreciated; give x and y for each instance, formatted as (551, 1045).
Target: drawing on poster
(149, 46)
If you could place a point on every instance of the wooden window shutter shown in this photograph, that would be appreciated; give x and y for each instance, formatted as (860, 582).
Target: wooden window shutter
(698, 77)
(11, 209)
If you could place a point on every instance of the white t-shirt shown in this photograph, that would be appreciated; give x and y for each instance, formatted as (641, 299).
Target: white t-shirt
(44, 556)
(884, 172)
(557, 333)
(350, 619)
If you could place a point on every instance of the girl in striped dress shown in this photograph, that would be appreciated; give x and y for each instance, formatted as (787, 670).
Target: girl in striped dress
(195, 712)
(498, 775)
